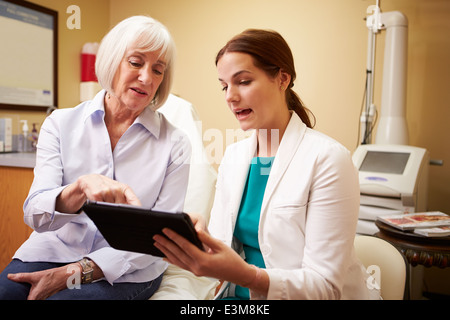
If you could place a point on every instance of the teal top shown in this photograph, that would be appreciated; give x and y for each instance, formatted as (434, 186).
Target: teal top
(247, 223)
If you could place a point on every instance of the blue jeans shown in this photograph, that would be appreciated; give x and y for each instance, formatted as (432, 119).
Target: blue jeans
(99, 290)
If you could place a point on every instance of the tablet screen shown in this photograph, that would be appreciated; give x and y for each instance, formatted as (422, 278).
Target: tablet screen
(132, 228)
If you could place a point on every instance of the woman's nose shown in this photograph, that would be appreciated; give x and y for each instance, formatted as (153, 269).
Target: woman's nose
(232, 94)
(145, 76)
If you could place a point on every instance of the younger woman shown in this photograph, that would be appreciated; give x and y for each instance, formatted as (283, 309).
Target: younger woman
(287, 198)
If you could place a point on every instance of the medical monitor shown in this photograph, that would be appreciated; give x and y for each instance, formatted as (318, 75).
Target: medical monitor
(385, 162)
(390, 170)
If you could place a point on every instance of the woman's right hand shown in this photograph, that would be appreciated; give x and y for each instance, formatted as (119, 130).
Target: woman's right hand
(94, 187)
(101, 188)
(220, 261)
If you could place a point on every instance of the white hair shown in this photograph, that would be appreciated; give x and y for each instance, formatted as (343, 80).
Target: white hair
(144, 33)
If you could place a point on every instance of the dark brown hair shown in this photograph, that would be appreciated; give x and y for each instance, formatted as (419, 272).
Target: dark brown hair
(270, 53)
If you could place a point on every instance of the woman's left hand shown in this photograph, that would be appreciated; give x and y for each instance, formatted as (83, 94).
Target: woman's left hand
(46, 282)
(218, 261)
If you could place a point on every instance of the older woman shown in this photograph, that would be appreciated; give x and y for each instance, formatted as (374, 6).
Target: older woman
(115, 148)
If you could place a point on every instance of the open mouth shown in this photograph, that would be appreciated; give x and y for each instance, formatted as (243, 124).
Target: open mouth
(241, 114)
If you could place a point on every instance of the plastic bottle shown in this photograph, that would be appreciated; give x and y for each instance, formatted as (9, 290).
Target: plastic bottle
(34, 137)
(23, 138)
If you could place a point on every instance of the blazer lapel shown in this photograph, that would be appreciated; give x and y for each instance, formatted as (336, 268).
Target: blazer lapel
(286, 151)
(239, 173)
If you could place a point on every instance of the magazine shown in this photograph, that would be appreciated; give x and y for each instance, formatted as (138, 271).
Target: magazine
(412, 221)
(434, 232)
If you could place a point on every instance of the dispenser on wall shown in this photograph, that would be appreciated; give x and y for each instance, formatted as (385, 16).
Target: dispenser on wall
(89, 85)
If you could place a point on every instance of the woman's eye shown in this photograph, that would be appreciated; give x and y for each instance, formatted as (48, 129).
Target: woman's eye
(245, 82)
(158, 72)
(135, 64)
(224, 88)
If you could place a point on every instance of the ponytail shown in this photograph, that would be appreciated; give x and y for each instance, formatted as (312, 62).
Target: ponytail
(295, 104)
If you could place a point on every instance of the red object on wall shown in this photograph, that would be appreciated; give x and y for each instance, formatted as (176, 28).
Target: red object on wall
(88, 67)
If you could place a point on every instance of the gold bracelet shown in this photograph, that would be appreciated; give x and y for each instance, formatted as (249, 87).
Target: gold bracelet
(87, 271)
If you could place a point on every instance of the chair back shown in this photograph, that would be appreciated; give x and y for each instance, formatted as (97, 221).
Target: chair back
(385, 263)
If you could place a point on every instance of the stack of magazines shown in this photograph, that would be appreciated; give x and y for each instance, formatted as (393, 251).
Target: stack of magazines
(429, 224)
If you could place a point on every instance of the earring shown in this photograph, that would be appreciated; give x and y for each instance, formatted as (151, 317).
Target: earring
(282, 88)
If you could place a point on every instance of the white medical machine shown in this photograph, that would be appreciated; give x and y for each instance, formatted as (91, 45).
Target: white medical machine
(392, 126)
(393, 180)
(393, 176)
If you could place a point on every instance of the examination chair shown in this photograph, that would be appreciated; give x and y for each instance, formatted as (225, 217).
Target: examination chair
(179, 284)
(380, 256)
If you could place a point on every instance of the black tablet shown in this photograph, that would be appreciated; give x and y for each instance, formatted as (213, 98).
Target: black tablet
(132, 228)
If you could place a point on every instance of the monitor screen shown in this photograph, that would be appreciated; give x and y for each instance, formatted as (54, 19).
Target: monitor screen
(385, 162)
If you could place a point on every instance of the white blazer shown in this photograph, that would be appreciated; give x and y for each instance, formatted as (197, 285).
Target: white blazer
(308, 215)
